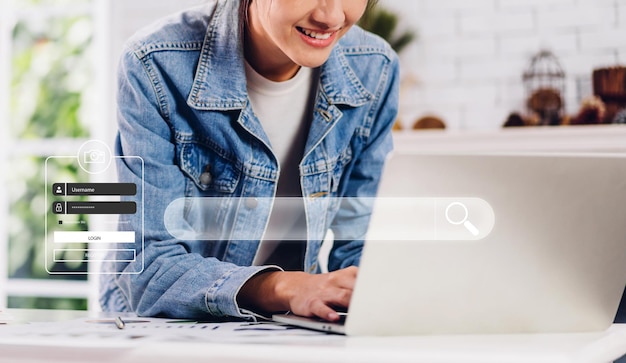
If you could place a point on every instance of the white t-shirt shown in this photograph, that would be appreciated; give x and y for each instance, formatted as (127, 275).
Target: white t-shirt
(285, 110)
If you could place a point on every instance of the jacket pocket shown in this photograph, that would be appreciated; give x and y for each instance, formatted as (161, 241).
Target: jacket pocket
(208, 167)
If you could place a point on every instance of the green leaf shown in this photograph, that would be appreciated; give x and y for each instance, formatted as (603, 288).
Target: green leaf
(384, 23)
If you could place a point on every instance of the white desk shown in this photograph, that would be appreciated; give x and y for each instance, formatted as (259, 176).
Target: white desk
(309, 347)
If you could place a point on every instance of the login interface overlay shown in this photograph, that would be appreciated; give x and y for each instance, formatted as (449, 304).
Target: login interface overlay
(83, 224)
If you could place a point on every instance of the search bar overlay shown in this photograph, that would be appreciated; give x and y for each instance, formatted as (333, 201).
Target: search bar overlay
(94, 237)
(437, 219)
(408, 218)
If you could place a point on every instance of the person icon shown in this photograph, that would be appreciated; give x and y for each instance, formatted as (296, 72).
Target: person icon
(58, 189)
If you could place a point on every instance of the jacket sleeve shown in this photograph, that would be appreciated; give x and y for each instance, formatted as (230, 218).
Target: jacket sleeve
(351, 221)
(165, 279)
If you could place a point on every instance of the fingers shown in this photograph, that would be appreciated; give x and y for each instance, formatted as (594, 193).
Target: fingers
(337, 292)
(321, 303)
(302, 293)
(316, 295)
(321, 310)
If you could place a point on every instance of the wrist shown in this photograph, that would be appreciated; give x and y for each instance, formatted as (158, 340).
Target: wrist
(284, 287)
(264, 292)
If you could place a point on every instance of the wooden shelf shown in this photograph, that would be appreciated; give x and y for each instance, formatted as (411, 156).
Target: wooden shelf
(587, 138)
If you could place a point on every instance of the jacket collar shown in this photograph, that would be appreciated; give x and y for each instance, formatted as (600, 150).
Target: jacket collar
(226, 89)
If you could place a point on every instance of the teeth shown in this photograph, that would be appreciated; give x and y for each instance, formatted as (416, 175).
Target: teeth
(316, 35)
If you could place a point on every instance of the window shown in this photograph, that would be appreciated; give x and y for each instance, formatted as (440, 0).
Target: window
(52, 91)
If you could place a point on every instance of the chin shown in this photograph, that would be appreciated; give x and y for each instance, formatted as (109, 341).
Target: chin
(312, 62)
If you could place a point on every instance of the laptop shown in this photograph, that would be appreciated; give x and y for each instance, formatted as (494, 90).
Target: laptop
(490, 244)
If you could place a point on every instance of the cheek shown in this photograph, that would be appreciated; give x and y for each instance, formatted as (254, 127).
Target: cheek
(280, 26)
(354, 10)
(278, 32)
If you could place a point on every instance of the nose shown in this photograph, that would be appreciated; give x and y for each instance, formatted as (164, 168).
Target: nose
(329, 14)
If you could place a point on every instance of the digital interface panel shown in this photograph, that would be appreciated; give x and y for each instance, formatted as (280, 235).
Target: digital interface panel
(82, 221)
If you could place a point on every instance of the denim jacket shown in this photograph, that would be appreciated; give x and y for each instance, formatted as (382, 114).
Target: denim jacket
(183, 109)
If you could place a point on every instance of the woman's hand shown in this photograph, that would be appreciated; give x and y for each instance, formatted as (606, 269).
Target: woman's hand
(303, 293)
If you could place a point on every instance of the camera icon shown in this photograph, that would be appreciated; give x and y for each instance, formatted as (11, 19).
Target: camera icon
(94, 157)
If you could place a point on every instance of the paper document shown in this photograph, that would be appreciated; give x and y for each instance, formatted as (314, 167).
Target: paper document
(106, 332)
(5, 317)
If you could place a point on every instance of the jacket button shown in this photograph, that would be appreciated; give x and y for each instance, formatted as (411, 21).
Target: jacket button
(251, 203)
(206, 177)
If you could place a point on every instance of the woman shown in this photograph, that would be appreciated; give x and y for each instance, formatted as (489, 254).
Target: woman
(294, 102)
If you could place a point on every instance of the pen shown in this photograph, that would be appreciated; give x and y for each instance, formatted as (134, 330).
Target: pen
(119, 323)
(107, 321)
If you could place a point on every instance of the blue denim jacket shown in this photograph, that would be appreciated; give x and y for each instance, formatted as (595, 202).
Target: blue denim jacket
(183, 108)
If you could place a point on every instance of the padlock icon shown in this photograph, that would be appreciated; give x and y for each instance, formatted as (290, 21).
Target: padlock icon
(58, 208)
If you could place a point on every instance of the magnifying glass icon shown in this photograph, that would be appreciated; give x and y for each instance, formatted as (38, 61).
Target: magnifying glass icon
(456, 221)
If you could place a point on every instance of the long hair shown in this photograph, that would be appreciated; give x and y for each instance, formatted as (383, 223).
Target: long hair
(244, 5)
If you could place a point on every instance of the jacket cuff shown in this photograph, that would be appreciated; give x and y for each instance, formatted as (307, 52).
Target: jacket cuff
(221, 297)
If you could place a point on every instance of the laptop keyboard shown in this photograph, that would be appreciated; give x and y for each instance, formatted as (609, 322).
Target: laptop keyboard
(341, 321)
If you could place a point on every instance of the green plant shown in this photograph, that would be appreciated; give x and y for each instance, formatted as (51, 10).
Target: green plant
(384, 23)
(50, 77)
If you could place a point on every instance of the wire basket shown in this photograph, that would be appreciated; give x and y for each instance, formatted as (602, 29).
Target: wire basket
(544, 81)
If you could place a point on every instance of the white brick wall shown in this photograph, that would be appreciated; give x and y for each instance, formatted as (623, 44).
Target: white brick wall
(470, 55)
(486, 22)
(468, 61)
(621, 13)
(128, 16)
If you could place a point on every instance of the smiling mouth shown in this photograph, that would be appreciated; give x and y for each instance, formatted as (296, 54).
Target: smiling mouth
(315, 35)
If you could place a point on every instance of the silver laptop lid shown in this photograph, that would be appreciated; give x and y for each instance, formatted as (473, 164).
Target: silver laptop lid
(553, 261)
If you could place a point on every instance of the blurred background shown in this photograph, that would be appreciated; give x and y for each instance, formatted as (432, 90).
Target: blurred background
(476, 75)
